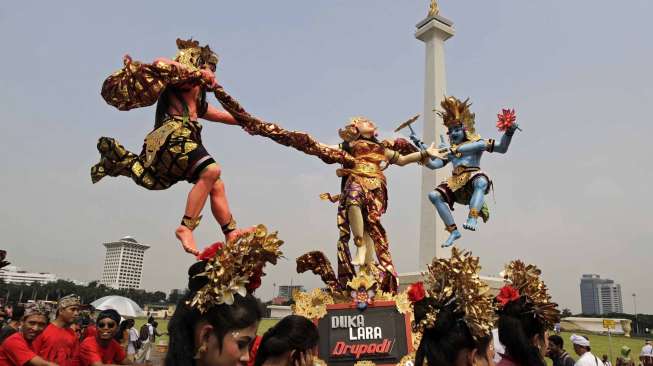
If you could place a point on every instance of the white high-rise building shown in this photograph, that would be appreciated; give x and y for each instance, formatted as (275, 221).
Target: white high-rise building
(123, 263)
(13, 274)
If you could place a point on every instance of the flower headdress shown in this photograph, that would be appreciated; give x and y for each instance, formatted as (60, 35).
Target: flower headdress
(235, 268)
(526, 286)
(456, 112)
(454, 284)
(192, 55)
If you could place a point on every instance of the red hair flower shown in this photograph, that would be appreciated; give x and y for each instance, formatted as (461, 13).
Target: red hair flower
(507, 294)
(210, 251)
(255, 280)
(416, 292)
(506, 119)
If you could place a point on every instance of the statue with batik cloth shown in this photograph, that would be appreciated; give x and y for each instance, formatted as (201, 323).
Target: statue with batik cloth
(173, 151)
(363, 198)
(468, 184)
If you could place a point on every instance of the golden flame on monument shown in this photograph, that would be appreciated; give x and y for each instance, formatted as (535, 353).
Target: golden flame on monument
(434, 9)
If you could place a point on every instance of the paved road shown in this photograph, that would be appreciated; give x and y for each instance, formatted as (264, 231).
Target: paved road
(157, 359)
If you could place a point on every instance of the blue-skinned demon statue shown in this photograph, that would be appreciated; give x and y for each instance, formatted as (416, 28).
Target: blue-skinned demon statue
(468, 184)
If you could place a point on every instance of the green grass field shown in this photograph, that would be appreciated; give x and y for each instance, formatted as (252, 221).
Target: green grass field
(266, 324)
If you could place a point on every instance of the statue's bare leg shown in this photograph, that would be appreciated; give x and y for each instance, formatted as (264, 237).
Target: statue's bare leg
(369, 248)
(476, 202)
(445, 214)
(370, 252)
(357, 224)
(194, 205)
(221, 211)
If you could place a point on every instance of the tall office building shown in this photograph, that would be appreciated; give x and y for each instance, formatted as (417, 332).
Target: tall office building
(123, 263)
(600, 296)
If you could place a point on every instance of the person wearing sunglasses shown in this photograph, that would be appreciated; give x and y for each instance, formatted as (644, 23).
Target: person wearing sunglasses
(103, 349)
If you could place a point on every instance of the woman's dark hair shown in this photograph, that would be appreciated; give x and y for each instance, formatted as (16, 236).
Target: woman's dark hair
(441, 343)
(124, 325)
(517, 327)
(224, 318)
(292, 333)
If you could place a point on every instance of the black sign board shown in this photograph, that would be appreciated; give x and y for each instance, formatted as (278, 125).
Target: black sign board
(379, 333)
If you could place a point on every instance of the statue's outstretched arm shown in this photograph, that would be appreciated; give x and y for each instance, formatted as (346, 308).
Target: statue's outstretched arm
(139, 84)
(214, 114)
(504, 143)
(436, 163)
(395, 157)
(295, 139)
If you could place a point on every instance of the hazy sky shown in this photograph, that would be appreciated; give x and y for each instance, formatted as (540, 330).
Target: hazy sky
(572, 194)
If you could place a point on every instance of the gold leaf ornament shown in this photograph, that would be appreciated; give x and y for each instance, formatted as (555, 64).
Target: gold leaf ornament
(526, 278)
(455, 282)
(230, 270)
(311, 305)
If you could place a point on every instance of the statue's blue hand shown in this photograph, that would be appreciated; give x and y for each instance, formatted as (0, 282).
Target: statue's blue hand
(511, 130)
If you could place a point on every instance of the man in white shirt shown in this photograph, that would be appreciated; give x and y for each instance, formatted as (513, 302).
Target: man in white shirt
(146, 336)
(582, 349)
(646, 355)
(132, 347)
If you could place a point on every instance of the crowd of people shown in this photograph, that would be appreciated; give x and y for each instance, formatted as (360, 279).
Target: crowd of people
(225, 334)
(37, 335)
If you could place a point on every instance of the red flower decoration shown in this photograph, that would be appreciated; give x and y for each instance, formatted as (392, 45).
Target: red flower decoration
(210, 251)
(416, 292)
(254, 280)
(506, 119)
(507, 294)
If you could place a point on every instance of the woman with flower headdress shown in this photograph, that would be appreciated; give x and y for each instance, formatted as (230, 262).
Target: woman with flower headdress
(364, 197)
(453, 313)
(216, 322)
(526, 313)
(173, 151)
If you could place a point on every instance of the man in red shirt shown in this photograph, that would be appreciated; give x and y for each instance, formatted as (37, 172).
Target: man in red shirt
(103, 349)
(58, 343)
(16, 350)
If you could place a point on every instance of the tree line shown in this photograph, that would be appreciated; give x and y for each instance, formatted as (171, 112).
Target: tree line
(13, 293)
